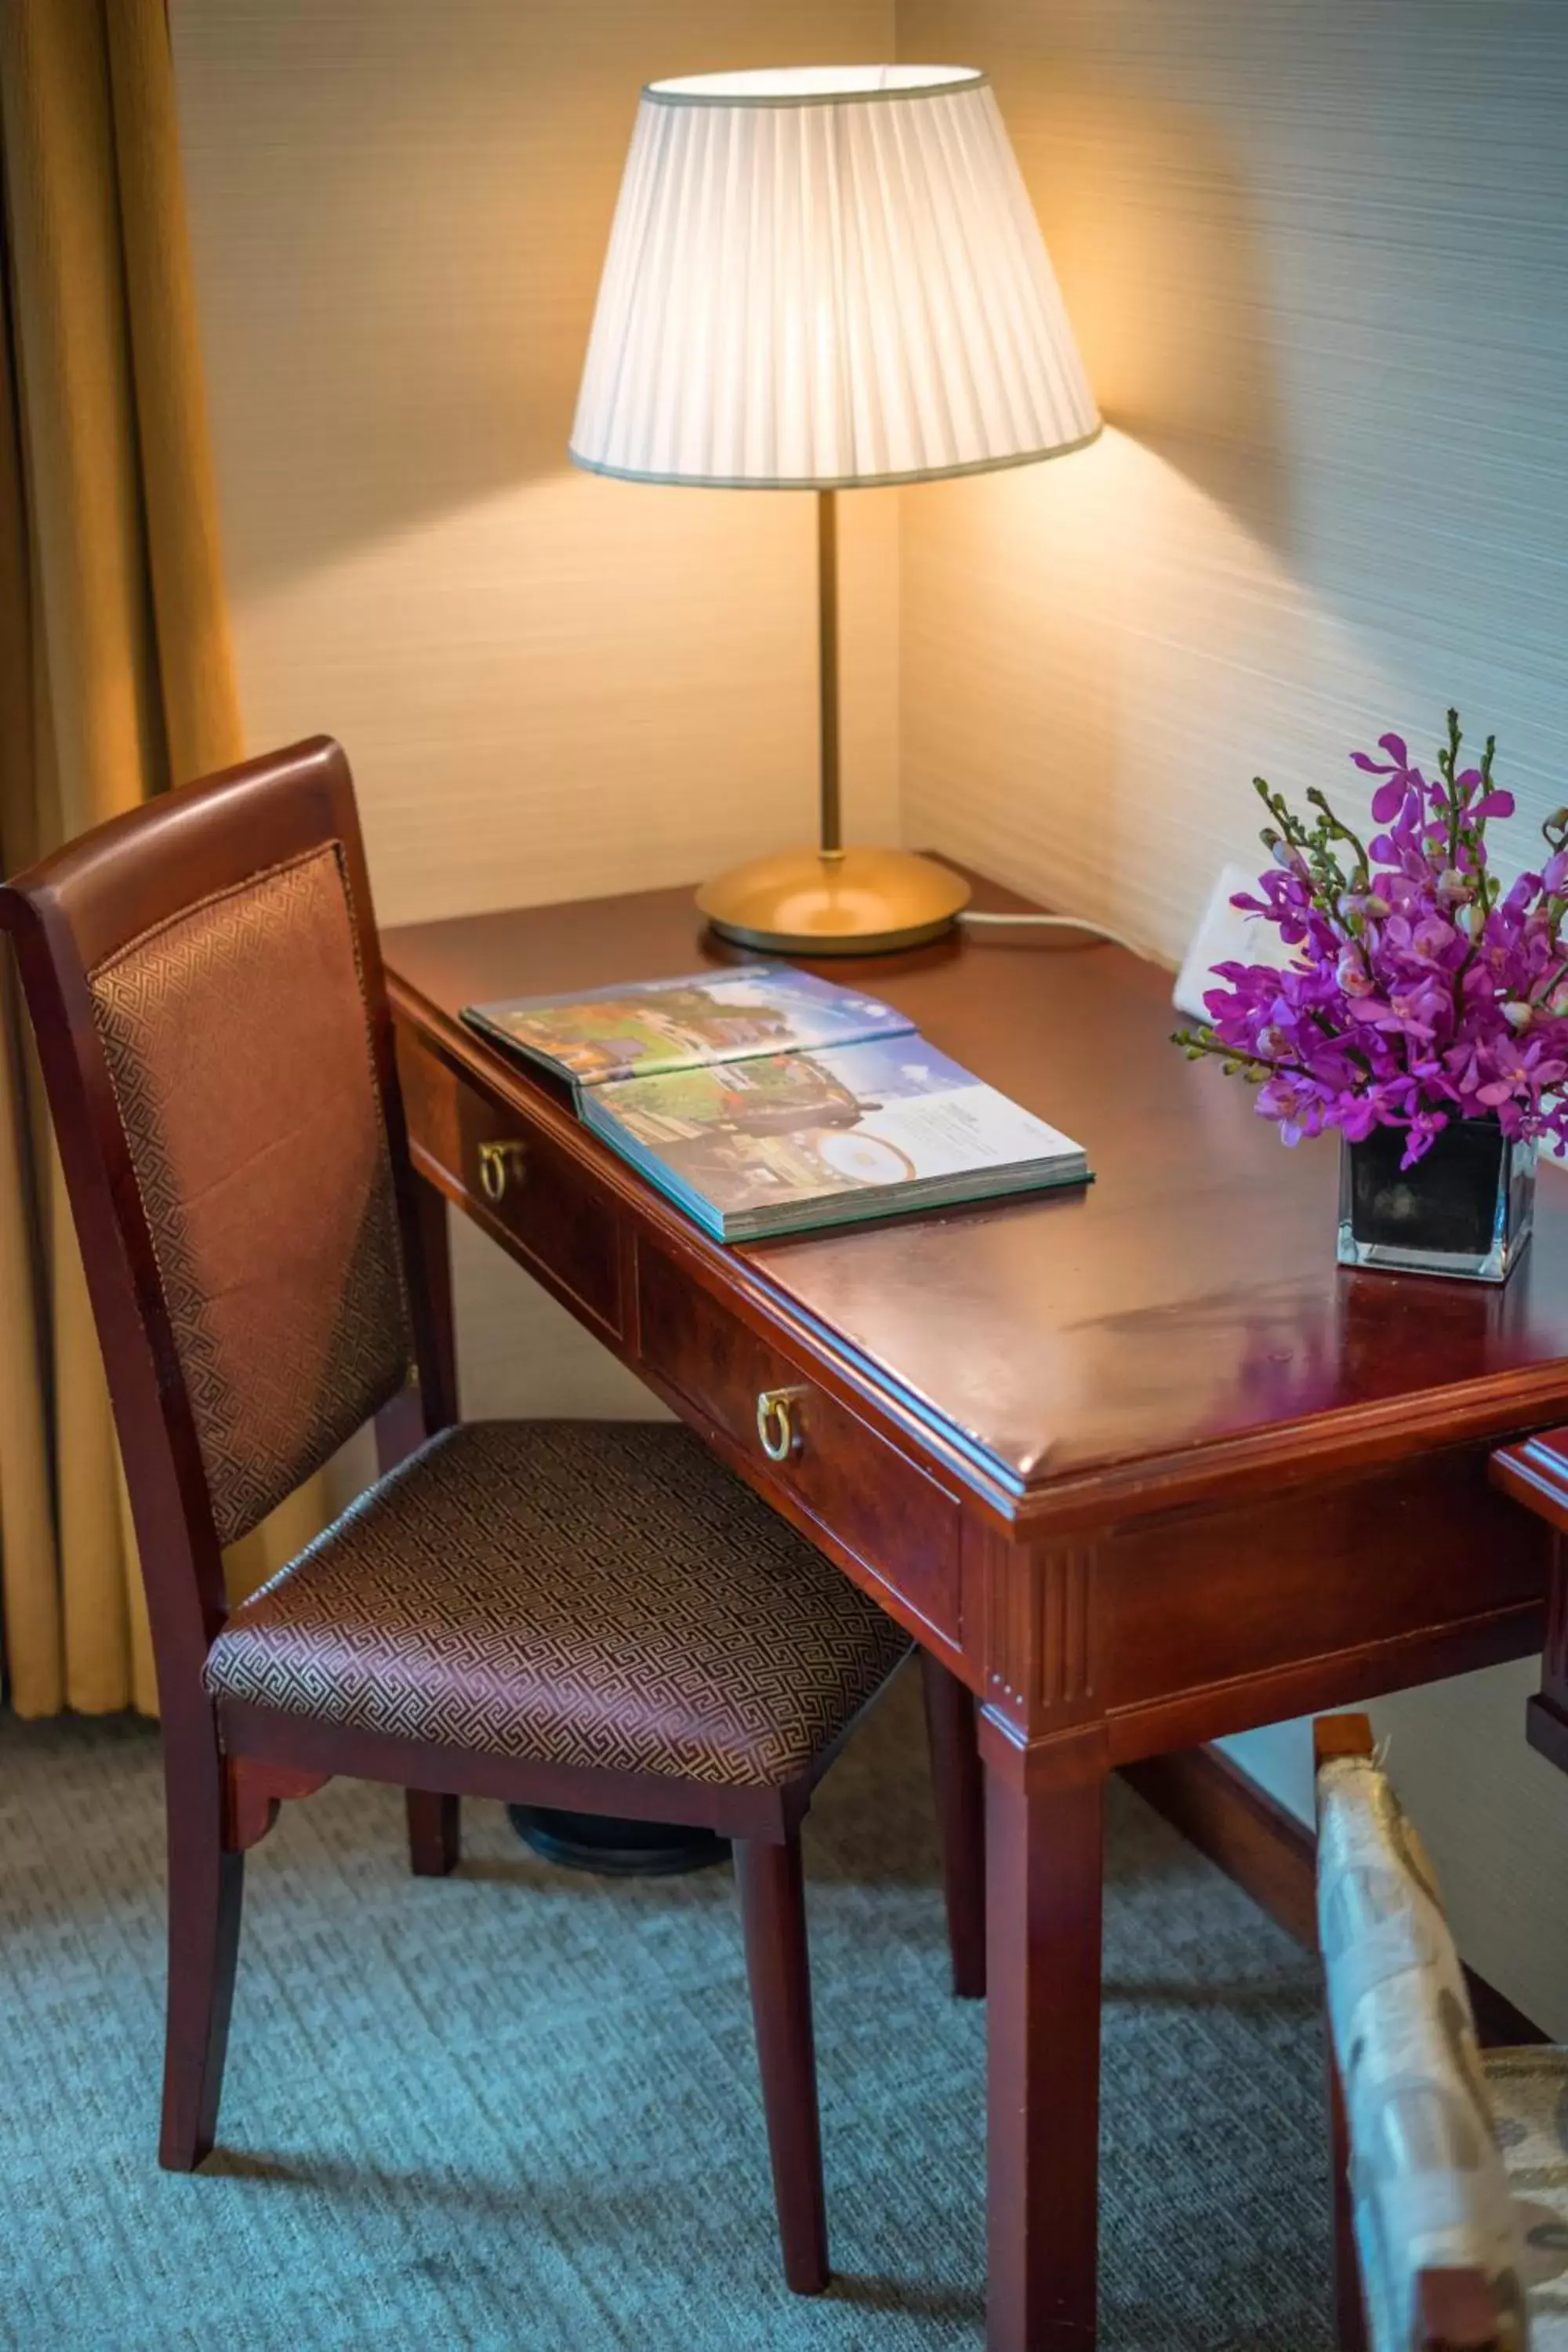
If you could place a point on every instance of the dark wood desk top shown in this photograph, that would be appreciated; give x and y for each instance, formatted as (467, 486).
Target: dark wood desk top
(1179, 1327)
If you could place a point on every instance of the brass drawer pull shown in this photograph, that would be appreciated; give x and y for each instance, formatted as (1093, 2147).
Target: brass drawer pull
(500, 1165)
(776, 1424)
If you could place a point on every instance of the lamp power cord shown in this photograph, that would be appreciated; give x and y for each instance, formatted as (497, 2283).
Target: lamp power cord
(974, 919)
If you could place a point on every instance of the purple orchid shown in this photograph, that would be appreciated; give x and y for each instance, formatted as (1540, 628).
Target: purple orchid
(1402, 777)
(1418, 992)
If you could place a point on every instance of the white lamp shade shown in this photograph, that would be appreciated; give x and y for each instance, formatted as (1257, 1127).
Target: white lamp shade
(823, 277)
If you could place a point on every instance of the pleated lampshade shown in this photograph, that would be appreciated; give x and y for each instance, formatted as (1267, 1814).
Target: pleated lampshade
(825, 277)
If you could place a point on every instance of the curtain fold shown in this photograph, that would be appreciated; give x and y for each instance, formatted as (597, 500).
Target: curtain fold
(116, 680)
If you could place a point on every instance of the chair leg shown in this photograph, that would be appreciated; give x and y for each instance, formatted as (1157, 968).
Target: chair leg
(773, 1913)
(434, 1832)
(958, 1787)
(206, 1886)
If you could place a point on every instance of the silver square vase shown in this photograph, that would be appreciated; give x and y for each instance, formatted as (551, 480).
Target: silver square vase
(1463, 1210)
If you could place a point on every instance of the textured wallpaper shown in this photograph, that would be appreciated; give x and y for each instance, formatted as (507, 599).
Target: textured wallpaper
(1317, 253)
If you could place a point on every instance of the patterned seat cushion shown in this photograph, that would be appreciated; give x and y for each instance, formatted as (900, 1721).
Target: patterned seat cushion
(1428, 2184)
(1529, 2090)
(572, 1592)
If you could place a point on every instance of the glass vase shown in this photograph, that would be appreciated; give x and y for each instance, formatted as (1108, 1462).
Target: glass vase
(1466, 1209)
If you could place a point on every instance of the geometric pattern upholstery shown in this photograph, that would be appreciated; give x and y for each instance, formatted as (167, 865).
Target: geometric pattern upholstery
(1529, 2092)
(574, 1592)
(1427, 2181)
(237, 1042)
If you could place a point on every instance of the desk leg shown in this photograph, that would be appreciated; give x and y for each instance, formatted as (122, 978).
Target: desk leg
(1044, 1870)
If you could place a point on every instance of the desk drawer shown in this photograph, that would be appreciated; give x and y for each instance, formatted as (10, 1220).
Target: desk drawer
(536, 1201)
(817, 1455)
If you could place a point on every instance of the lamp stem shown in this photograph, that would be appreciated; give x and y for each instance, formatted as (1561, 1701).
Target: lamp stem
(828, 632)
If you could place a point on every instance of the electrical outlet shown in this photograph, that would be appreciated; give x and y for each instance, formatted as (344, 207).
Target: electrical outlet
(1226, 935)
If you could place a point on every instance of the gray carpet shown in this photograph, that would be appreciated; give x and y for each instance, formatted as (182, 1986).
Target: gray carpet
(518, 2107)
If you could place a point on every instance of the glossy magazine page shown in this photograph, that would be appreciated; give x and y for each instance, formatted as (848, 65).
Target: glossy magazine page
(793, 1140)
(647, 1027)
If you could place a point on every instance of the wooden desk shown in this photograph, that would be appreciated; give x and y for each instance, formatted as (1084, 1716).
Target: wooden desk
(1138, 1462)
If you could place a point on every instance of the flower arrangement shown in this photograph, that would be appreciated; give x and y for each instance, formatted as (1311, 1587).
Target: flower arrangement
(1420, 991)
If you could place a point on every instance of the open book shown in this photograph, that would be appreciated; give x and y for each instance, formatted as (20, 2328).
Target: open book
(765, 1101)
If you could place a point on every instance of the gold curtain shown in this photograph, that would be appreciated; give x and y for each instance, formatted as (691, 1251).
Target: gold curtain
(116, 680)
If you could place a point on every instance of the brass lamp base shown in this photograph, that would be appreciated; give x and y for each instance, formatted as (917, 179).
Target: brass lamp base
(833, 902)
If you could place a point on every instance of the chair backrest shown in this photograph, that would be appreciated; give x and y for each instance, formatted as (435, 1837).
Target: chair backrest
(1438, 2238)
(205, 983)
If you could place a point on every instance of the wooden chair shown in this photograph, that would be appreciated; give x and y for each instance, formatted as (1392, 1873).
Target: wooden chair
(1430, 2246)
(599, 1618)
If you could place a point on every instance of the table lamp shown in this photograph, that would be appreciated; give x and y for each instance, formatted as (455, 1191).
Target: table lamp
(822, 278)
